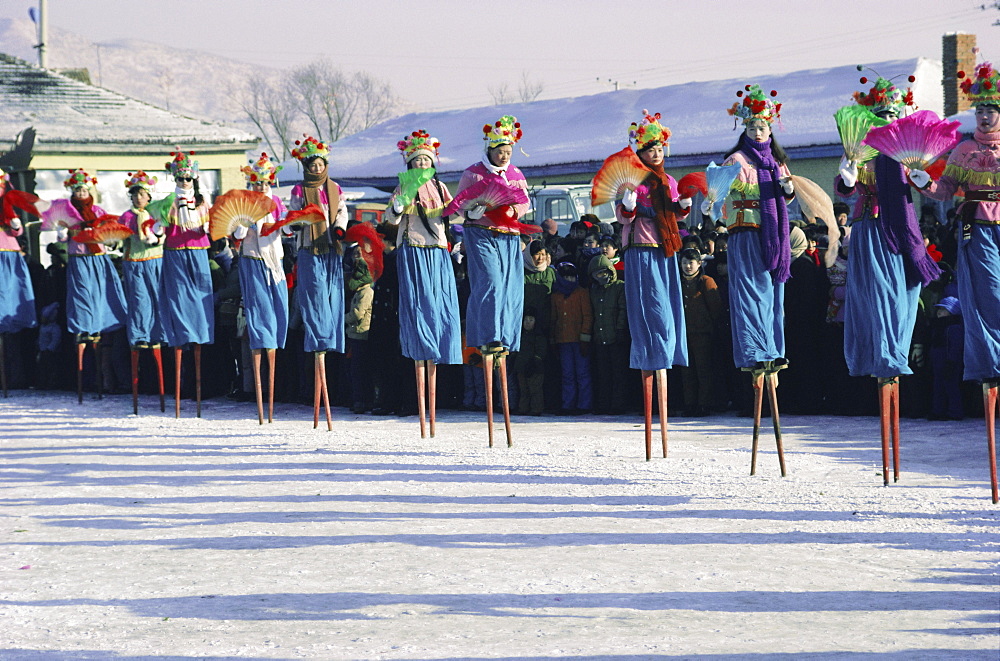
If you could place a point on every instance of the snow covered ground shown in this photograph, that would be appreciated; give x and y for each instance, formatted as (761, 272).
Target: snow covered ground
(147, 537)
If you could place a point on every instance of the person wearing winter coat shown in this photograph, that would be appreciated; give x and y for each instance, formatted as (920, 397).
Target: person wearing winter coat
(610, 338)
(357, 322)
(572, 323)
(142, 269)
(946, 348)
(702, 309)
(529, 365)
(17, 296)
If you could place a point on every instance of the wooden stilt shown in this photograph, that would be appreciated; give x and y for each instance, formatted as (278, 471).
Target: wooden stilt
(647, 407)
(80, 348)
(488, 378)
(178, 357)
(256, 386)
(317, 386)
(419, 367)
(990, 406)
(885, 414)
(661, 398)
(324, 390)
(100, 367)
(271, 358)
(505, 398)
(894, 400)
(432, 392)
(197, 377)
(758, 400)
(135, 381)
(158, 357)
(772, 400)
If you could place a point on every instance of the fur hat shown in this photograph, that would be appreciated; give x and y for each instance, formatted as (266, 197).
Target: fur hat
(417, 143)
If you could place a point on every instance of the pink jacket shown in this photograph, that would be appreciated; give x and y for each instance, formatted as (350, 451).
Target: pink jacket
(8, 238)
(74, 221)
(746, 187)
(181, 238)
(639, 229)
(973, 165)
(510, 177)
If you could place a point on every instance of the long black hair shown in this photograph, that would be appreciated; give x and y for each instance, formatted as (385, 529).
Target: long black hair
(780, 154)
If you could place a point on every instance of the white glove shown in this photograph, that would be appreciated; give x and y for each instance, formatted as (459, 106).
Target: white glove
(706, 207)
(158, 228)
(788, 186)
(456, 252)
(848, 172)
(62, 233)
(397, 206)
(920, 178)
(15, 223)
(684, 203)
(241, 232)
(151, 239)
(476, 212)
(629, 199)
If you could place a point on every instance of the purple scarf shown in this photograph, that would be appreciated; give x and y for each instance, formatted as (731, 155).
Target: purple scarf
(899, 223)
(773, 212)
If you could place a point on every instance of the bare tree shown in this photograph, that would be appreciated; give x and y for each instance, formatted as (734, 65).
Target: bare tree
(375, 100)
(326, 98)
(528, 90)
(271, 108)
(500, 93)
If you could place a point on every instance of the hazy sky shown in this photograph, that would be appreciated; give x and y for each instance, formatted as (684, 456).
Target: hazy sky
(443, 54)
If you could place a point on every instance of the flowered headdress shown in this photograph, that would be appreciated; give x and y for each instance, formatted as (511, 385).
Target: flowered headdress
(417, 143)
(310, 147)
(884, 95)
(504, 131)
(756, 105)
(182, 165)
(79, 179)
(261, 172)
(140, 179)
(983, 86)
(648, 132)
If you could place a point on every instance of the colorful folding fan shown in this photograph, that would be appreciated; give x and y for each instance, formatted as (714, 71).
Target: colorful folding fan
(313, 213)
(691, 184)
(238, 208)
(620, 172)
(853, 124)
(410, 182)
(719, 179)
(916, 140)
(106, 230)
(817, 207)
(489, 193)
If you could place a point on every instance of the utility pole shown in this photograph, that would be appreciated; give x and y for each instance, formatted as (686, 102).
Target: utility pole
(42, 32)
(614, 83)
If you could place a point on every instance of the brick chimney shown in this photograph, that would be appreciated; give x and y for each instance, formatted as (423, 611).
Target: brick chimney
(956, 55)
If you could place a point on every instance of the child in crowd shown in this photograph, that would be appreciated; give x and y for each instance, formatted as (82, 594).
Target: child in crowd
(529, 365)
(610, 336)
(702, 308)
(571, 324)
(357, 322)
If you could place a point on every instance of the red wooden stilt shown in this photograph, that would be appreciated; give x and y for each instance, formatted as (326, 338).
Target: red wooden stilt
(256, 386)
(197, 377)
(894, 400)
(135, 381)
(432, 392)
(158, 357)
(505, 399)
(178, 357)
(419, 367)
(324, 390)
(271, 358)
(772, 399)
(758, 400)
(661, 394)
(990, 406)
(317, 386)
(80, 348)
(885, 415)
(488, 378)
(647, 407)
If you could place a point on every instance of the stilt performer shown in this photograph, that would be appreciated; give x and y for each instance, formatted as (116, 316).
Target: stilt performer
(887, 267)
(759, 252)
(17, 298)
(320, 285)
(974, 166)
(430, 331)
(653, 297)
(142, 276)
(95, 302)
(493, 247)
(188, 311)
(262, 281)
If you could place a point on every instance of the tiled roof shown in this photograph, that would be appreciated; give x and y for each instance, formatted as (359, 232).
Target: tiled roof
(63, 110)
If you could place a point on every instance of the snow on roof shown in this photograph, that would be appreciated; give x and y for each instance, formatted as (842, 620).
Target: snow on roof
(587, 129)
(63, 110)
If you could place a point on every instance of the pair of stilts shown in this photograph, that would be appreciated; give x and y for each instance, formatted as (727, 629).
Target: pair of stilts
(256, 353)
(888, 408)
(178, 358)
(158, 357)
(990, 405)
(82, 340)
(764, 376)
(647, 400)
(495, 353)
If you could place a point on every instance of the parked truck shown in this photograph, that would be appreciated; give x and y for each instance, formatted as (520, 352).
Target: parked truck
(565, 205)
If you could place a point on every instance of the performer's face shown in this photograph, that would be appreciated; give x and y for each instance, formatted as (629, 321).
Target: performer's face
(260, 187)
(758, 130)
(652, 155)
(888, 115)
(81, 193)
(988, 118)
(140, 198)
(316, 166)
(421, 162)
(500, 155)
